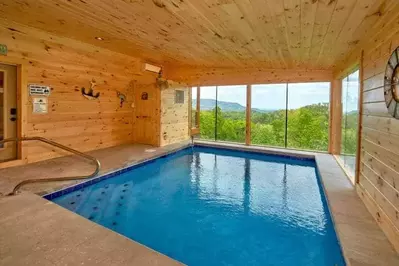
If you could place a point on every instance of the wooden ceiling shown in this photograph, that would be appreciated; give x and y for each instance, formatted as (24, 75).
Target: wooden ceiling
(307, 34)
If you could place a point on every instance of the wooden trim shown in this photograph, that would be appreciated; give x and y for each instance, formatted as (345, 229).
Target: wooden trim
(190, 108)
(12, 163)
(205, 76)
(158, 119)
(360, 119)
(22, 99)
(348, 70)
(22, 109)
(198, 108)
(194, 131)
(335, 131)
(248, 116)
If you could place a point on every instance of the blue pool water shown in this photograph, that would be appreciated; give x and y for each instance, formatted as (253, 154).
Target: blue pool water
(218, 207)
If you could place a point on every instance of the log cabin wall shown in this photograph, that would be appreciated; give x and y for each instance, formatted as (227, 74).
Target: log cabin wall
(66, 66)
(236, 76)
(174, 116)
(378, 177)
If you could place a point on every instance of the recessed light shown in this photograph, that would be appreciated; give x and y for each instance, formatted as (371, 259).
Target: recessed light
(99, 38)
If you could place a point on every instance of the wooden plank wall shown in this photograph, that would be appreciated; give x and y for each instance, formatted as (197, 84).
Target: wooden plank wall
(67, 66)
(379, 157)
(237, 76)
(174, 116)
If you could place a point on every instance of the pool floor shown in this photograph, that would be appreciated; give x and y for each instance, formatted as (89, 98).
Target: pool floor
(218, 207)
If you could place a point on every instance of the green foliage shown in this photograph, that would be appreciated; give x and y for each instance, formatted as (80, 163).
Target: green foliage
(307, 127)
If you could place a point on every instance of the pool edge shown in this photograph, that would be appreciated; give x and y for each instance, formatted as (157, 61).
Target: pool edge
(110, 174)
(292, 154)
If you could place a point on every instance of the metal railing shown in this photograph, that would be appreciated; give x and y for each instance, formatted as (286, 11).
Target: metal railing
(56, 179)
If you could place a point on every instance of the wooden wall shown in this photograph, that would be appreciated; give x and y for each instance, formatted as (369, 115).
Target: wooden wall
(237, 76)
(379, 156)
(174, 116)
(66, 66)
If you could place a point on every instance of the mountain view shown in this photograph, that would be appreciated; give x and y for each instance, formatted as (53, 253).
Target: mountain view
(209, 104)
(307, 126)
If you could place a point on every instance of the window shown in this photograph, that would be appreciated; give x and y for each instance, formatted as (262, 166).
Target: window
(350, 120)
(308, 115)
(289, 115)
(208, 113)
(231, 115)
(268, 114)
(179, 96)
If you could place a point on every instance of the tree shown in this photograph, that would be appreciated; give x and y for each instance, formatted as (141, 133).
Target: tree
(307, 127)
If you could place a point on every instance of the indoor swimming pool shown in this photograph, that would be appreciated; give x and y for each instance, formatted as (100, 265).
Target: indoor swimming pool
(207, 206)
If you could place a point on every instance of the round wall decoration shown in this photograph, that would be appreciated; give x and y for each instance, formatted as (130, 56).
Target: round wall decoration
(391, 86)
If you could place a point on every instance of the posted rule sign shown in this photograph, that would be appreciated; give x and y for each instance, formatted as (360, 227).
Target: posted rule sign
(40, 105)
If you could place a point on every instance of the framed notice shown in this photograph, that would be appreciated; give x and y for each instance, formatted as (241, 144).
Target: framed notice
(40, 105)
(35, 89)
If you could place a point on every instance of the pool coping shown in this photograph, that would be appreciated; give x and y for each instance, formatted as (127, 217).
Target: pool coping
(68, 189)
(258, 150)
(331, 177)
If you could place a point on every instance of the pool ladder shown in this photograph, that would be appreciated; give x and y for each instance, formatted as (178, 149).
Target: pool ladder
(57, 179)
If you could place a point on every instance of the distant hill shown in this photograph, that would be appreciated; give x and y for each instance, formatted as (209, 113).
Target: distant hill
(209, 104)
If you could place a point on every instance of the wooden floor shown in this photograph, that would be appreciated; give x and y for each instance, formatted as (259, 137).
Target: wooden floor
(34, 231)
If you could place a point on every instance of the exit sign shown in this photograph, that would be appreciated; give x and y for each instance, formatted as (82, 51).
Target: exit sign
(3, 49)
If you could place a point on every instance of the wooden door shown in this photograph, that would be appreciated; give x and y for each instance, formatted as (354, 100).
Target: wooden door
(147, 115)
(8, 111)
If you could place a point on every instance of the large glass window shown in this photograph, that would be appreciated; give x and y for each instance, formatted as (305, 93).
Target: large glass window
(350, 120)
(268, 114)
(293, 115)
(230, 116)
(308, 115)
(208, 112)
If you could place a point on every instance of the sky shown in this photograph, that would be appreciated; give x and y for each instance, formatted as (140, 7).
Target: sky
(273, 96)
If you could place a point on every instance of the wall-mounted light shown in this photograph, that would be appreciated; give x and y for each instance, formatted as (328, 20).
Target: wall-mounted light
(152, 68)
(99, 38)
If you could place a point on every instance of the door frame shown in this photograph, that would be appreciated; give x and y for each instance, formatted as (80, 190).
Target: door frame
(22, 100)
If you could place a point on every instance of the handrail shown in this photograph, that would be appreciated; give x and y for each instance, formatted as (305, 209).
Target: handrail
(45, 180)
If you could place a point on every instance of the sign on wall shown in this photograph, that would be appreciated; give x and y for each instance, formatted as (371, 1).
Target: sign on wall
(3, 49)
(40, 105)
(35, 89)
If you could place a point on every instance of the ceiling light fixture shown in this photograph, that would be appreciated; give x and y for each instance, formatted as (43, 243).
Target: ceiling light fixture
(99, 38)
